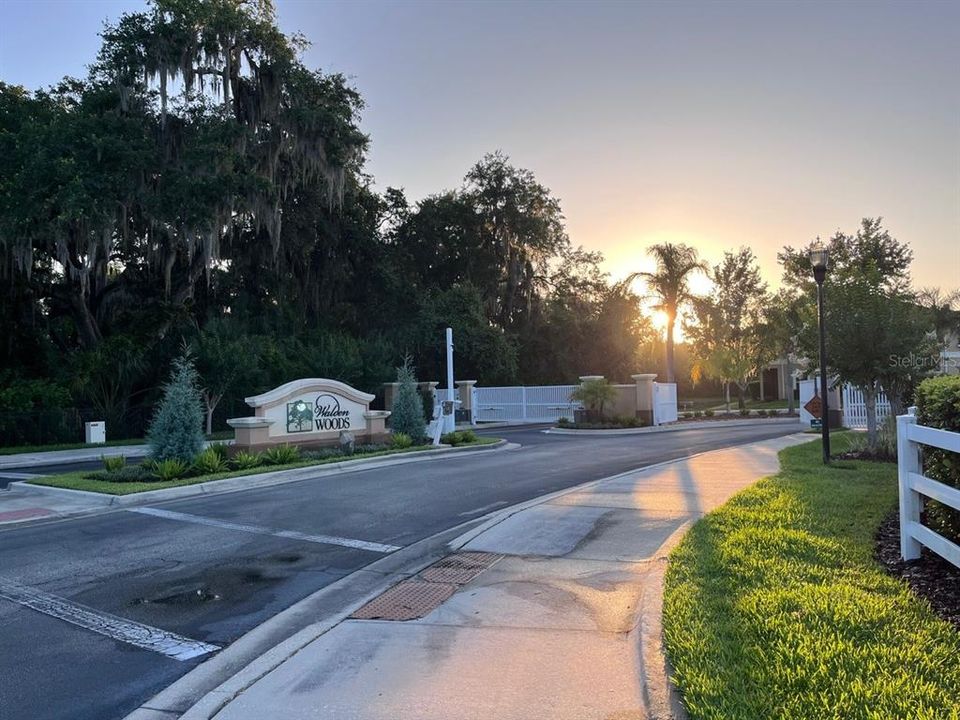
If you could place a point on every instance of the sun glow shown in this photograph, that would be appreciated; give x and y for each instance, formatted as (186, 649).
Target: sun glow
(658, 318)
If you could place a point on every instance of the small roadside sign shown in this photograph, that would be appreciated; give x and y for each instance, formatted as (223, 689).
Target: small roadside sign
(814, 406)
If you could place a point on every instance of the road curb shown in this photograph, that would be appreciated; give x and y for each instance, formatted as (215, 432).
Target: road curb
(674, 428)
(248, 482)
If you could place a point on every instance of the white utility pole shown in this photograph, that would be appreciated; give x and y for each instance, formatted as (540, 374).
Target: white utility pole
(449, 421)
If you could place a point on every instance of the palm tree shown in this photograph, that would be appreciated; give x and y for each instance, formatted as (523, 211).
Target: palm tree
(668, 284)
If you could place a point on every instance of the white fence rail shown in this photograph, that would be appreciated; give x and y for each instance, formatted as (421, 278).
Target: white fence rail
(855, 407)
(542, 403)
(914, 485)
(664, 403)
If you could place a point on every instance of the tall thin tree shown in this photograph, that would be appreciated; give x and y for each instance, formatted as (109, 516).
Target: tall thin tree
(669, 285)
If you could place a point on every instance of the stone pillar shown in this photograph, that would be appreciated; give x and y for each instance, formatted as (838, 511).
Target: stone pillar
(249, 432)
(645, 397)
(390, 394)
(465, 395)
(376, 424)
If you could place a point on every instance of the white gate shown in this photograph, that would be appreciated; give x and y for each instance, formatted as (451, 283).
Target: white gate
(664, 403)
(855, 408)
(534, 404)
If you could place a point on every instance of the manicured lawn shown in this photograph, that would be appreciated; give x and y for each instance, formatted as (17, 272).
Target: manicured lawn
(78, 481)
(775, 608)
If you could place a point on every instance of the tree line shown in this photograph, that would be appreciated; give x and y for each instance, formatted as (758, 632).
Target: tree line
(202, 187)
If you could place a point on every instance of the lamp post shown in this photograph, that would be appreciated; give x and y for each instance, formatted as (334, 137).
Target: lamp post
(818, 259)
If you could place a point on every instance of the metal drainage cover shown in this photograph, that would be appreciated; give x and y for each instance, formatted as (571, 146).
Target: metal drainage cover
(459, 568)
(408, 600)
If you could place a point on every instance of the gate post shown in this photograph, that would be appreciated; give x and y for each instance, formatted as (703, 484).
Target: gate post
(908, 461)
(465, 392)
(645, 397)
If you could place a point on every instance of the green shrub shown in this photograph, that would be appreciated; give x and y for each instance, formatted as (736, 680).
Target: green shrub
(594, 394)
(322, 453)
(176, 431)
(563, 422)
(170, 469)
(131, 473)
(698, 413)
(744, 412)
(709, 413)
(209, 462)
(459, 437)
(401, 441)
(113, 464)
(761, 413)
(280, 455)
(686, 415)
(938, 406)
(221, 449)
(244, 460)
(407, 414)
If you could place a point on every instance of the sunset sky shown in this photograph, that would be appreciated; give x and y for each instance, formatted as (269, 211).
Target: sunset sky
(717, 124)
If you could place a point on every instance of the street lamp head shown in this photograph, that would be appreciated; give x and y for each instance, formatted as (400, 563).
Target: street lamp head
(818, 255)
(819, 260)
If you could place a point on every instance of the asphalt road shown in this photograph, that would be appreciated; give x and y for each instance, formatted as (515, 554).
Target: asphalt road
(213, 583)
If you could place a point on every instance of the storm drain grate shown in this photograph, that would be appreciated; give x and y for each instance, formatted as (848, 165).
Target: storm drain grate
(459, 568)
(408, 600)
(414, 598)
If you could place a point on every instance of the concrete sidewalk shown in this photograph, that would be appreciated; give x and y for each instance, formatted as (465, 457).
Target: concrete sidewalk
(563, 625)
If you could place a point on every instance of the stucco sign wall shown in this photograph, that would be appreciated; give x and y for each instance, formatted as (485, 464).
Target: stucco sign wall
(312, 410)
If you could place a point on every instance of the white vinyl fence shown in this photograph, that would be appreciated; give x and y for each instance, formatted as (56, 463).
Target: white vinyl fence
(855, 408)
(914, 485)
(542, 403)
(664, 403)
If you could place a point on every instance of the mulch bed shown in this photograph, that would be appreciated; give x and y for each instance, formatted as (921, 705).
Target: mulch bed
(931, 577)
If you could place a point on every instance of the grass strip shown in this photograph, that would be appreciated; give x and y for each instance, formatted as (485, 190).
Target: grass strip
(774, 606)
(78, 481)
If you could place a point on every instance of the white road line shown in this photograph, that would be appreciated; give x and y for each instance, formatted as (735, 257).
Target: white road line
(19, 476)
(258, 530)
(127, 631)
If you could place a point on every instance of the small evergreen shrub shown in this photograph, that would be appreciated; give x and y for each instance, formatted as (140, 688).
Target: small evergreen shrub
(563, 422)
(686, 415)
(113, 464)
(244, 460)
(709, 413)
(177, 429)
(401, 441)
(468, 436)
(761, 413)
(744, 412)
(698, 413)
(281, 455)
(170, 469)
(407, 414)
(209, 462)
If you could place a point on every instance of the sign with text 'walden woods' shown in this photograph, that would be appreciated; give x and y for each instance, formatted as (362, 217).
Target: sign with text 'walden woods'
(309, 410)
